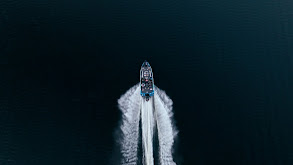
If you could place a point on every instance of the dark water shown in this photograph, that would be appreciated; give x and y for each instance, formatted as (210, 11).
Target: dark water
(227, 65)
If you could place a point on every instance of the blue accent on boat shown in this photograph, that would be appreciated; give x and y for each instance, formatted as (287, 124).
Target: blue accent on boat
(150, 94)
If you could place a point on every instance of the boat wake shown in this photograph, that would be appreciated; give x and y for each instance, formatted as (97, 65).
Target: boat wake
(154, 115)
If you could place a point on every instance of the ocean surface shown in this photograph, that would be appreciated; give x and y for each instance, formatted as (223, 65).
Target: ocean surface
(227, 66)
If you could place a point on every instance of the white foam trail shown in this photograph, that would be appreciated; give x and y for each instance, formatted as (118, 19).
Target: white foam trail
(163, 113)
(129, 104)
(157, 112)
(147, 119)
